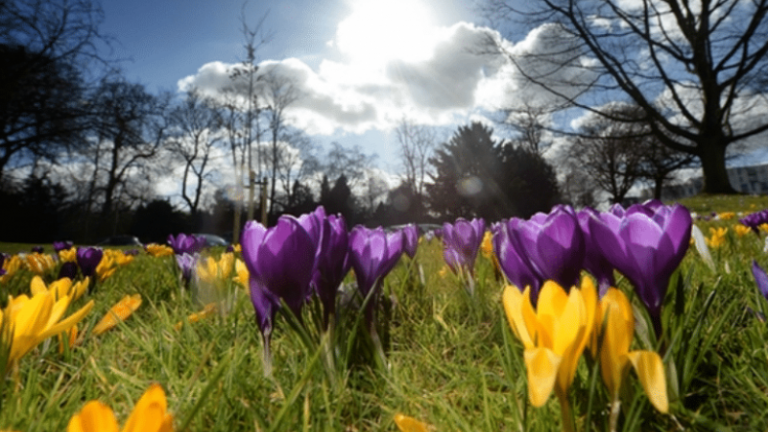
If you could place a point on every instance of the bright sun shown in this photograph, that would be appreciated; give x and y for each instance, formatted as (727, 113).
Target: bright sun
(379, 31)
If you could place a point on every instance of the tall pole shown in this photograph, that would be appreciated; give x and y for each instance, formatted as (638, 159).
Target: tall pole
(264, 201)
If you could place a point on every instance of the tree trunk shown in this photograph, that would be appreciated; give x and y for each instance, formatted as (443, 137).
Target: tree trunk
(658, 186)
(715, 178)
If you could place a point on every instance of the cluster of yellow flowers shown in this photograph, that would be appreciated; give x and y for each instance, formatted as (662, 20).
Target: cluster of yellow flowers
(28, 321)
(726, 215)
(68, 255)
(158, 250)
(557, 331)
(40, 264)
(110, 262)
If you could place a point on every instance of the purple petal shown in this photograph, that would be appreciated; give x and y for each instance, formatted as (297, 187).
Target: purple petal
(761, 278)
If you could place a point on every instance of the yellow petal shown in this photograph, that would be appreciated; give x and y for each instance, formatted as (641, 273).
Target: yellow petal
(37, 286)
(514, 302)
(572, 335)
(542, 365)
(28, 321)
(552, 299)
(589, 294)
(616, 338)
(61, 288)
(149, 414)
(68, 322)
(409, 424)
(94, 417)
(119, 312)
(650, 370)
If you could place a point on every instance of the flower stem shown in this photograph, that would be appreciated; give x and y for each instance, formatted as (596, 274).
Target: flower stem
(567, 414)
(615, 411)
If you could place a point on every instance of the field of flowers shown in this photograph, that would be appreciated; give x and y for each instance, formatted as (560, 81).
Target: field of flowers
(645, 318)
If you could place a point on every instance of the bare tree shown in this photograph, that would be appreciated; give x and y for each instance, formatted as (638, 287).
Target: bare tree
(417, 143)
(244, 85)
(694, 68)
(611, 153)
(193, 134)
(279, 92)
(351, 163)
(129, 129)
(296, 161)
(529, 125)
(48, 53)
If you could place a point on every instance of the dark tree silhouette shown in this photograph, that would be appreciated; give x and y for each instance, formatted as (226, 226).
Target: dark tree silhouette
(476, 176)
(46, 50)
(693, 68)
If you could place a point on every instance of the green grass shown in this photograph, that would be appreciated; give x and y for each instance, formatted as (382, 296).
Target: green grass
(705, 204)
(452, 360)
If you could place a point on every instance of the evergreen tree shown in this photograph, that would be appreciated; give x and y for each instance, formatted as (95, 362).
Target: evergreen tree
(476, 176)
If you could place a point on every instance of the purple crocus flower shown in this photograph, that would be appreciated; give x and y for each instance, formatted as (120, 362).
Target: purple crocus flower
(281, 261)
(184, 243)
(411, 240)
(68, 270)
(761, 278)
(461, 242)
(552, 244)
(754, 220)
(88, 258)
(38, 249)
(515, 266)
(187, 263)
(594, 261)
(646, 246)
(373, 254)
(332, 264)
(59, 246)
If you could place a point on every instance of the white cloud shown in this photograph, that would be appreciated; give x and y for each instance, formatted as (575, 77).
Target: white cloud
(461, 74)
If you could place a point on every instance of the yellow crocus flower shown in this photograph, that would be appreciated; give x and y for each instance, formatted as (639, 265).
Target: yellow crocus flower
(210, 270)
(149, 415)
(117, 313)
(60, 288)
(40, 264)
(717, 237)
(726, 215)
(237, 248)
(68, 255)
(742, 230)
(614, 315)
(553, 335)
(241, 274)
(409, 424)
(207, 311)
(11, 266)
(28, 321)
(157, 250)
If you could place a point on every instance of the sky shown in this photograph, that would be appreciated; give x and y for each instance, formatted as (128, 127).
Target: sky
(170, 44)
(360, 66)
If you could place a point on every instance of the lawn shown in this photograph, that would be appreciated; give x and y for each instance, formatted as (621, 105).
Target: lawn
(451, 359)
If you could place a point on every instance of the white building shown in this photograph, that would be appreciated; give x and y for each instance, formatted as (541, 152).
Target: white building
(751, 180)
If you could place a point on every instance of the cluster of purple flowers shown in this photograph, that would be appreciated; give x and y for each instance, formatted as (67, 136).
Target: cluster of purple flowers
(754, 220)
(310, 255)
(645, 242)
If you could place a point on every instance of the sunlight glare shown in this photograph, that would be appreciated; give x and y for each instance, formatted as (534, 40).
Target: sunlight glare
(379, 31)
